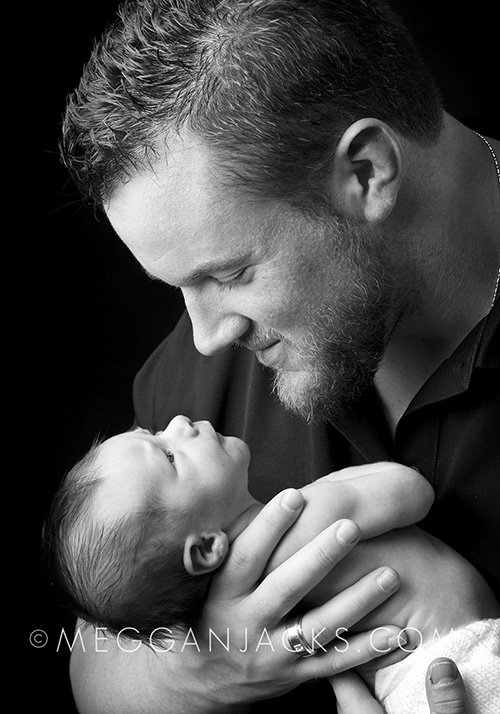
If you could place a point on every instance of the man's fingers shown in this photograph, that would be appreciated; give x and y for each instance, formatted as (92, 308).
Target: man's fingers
(348, 607)
(352, 694)
(285, 586)
(251, 550)
(445, 688)
(346, 652)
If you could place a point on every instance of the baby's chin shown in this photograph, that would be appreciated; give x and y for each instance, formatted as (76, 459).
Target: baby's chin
(237, 448)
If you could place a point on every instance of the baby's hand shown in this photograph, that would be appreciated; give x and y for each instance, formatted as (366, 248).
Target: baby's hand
(363, 470)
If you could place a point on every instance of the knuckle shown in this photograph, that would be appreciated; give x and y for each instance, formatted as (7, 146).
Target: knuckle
(340, 662)
(455, 705)
(284, 594)
(295, 670)
(242, 558)
(359, 602)
(347, 654)
(276, 522)
(321, 633)
(324, 558)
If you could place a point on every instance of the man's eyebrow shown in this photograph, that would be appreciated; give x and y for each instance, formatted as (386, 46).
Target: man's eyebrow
(210, 267)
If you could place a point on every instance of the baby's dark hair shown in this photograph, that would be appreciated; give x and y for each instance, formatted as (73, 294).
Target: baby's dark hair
(128, 575)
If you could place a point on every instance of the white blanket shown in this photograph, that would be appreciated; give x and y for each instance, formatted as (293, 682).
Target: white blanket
(475, 649)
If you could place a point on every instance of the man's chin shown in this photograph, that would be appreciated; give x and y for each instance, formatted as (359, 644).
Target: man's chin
(300, 392)
(318, 396)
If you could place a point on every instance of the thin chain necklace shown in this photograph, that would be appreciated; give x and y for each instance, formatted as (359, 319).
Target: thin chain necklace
(497, 167)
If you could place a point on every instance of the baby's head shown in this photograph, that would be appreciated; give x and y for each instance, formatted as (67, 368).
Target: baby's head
(141, 514)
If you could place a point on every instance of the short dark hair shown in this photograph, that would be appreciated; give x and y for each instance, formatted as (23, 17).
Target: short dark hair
(127, 575)
(271, 85)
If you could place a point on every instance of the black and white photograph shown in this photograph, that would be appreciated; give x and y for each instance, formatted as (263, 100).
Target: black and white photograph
(261, 339)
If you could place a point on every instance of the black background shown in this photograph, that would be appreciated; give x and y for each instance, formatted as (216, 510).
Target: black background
(85, 317)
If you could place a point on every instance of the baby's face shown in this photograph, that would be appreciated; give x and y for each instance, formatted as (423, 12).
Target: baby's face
(188, 466)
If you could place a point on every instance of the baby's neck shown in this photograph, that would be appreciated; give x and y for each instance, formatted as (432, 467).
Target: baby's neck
(244, 519)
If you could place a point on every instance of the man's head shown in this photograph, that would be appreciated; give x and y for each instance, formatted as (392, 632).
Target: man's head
(140, 515)
(251, 154)
(269, 85)
(314, 296)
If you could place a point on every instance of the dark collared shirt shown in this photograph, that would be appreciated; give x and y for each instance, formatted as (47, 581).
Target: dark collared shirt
(450, 431)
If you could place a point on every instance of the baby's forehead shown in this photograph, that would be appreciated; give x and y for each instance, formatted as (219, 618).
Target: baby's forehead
(119, 449)
(124, 469)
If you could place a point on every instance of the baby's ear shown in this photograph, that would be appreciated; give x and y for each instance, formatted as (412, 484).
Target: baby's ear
(204, 552)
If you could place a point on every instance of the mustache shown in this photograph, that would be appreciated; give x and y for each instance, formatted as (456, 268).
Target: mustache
(255, 339)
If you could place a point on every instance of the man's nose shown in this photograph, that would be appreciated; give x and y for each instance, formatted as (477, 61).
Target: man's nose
(215, 325)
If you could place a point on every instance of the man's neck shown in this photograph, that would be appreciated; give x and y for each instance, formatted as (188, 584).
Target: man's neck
(455, 247)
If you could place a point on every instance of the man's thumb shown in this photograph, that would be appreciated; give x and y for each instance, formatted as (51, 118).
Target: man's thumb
(445, 689)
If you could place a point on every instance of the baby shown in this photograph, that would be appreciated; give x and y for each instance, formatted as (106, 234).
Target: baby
(141, 524)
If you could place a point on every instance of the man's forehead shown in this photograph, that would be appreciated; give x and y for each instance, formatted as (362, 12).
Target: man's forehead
(178, 187)
(177, 218)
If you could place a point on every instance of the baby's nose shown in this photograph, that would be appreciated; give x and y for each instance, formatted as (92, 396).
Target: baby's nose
(181, 425)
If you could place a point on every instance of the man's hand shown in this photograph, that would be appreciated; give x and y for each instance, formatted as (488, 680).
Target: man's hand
(254, 610)
(352, 695)
(248, 613)
(443, 685)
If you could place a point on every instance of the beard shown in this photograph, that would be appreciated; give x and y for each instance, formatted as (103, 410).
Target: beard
(347, 331)
(340, 357)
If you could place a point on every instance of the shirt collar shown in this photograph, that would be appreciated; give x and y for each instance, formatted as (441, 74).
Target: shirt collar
(488, 353)
(363, 424)
(453, 376)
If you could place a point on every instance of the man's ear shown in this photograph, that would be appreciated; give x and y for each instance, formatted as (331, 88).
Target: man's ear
(204, 552)
(367, 171)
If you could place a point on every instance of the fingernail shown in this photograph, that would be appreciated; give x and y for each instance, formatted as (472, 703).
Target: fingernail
(399, 640)
(382, 642)
(348, 533)
(292, 500)
(388, 581)
(443, 672)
